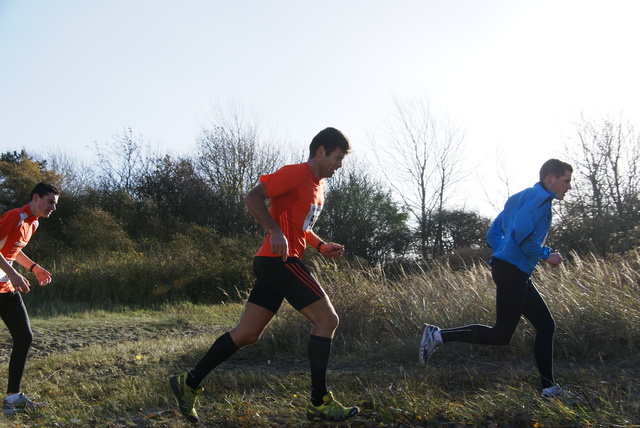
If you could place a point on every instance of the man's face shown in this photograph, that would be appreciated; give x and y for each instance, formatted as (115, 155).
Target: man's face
(559, 185)
(332, 162)
(44, 205)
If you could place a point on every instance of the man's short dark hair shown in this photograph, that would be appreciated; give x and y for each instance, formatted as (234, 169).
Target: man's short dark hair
(330, 139)
(555, 167)
(42, 189)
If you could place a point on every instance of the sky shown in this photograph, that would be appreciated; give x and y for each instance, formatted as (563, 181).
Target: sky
(516, 75)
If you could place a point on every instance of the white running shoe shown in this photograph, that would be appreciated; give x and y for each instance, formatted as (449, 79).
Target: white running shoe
(559, 393)
(429, 342)
(19, 403)
(553, 391)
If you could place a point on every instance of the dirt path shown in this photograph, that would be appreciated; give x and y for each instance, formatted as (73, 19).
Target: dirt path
(50, 338)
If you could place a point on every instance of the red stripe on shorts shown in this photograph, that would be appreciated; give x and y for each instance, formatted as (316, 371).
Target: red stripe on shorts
(306, 278)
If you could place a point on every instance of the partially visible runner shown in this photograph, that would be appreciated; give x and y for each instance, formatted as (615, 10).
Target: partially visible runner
(296, 195)
(16, 228)
(517, 238)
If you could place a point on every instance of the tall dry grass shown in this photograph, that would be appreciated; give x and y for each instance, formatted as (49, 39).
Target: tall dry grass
(593, 300)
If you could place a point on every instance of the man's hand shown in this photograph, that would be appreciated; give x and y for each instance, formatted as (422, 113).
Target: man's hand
(331, 249)
(554, 259)
(19, 282)
(43, 276)
(279, 245)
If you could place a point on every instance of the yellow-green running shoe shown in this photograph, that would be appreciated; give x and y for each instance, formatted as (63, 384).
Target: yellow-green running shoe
(186, 396)
(330, 410)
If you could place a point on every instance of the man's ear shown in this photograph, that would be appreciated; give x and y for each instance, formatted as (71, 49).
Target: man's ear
(321, 152)
(549, 178)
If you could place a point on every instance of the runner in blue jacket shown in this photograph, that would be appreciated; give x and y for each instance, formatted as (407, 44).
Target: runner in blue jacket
(517, 238)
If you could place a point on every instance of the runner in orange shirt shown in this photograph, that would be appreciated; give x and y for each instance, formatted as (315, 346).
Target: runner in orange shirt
(296, 195)
(16, 228)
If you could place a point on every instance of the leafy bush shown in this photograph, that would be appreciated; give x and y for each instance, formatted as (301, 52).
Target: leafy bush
(93, 230)
(196, 264)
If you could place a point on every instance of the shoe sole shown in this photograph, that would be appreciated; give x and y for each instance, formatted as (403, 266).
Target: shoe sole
(427, 329)
(421, 356)
(21, 410)
(317, 418)
(566, 399)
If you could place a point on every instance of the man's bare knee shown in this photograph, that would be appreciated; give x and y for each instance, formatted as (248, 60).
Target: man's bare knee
(241, 339)
(330, 322)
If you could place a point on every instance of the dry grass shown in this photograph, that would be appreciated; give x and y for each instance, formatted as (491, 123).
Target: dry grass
(121, 380)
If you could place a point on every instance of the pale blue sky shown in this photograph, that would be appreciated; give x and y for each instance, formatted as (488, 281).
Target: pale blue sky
(516, 74)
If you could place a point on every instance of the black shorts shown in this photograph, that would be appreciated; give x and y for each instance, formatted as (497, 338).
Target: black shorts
(277, 280)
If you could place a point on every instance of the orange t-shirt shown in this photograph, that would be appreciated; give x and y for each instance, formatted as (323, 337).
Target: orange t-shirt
(16, 228)
(296, 196)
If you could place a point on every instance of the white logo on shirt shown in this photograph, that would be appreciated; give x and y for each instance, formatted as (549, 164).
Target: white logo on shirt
(312, 216)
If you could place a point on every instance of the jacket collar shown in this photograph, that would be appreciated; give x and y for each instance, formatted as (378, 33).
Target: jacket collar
(550, 195)
(27, 209)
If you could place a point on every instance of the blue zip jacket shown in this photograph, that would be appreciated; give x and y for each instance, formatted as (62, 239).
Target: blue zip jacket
(518, 234)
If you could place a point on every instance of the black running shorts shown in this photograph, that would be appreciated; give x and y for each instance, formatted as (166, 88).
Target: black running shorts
(277, 280)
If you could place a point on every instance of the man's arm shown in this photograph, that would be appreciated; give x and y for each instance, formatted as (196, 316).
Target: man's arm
(255, 202)
(533, 244)
(8, 223)
(532, 247)
(495, 234)
(43, 276)
(18, 281)
(328, 249)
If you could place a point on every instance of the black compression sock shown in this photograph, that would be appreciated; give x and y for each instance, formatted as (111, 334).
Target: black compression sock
(221, 349)
(319, 351)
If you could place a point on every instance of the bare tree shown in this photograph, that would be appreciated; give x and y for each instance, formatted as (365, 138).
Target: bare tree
(606, 182)
(121, 162)
(421, 156)
(361, 214)
(76, 176)
(231, 157)
(505, 175)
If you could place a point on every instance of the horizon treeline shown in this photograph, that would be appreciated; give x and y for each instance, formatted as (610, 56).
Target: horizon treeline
(166, 224)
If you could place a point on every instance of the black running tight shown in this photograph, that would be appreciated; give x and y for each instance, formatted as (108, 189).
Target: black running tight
(15, 316)
(515, 296)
